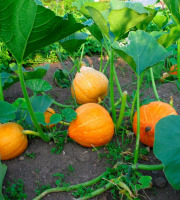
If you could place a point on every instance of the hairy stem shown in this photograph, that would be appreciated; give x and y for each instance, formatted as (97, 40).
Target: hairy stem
(29, 132)
(153, 84)
(29, 106)
(100, 68)
(147, 167)
(138, 123)
(112, 87)
(121, 114)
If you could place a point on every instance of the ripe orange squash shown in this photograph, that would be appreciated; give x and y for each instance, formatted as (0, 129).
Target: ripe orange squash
(47, 114)
(150, 114)
(12, 141)
(173, 70)
(89, 86)
(92, 127)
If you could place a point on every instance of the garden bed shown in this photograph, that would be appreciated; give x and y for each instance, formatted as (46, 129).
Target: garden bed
(38, 166)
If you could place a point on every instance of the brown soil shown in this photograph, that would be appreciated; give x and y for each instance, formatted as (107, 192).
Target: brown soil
(85, 162)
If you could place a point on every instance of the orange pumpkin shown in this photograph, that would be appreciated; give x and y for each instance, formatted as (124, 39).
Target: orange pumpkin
(150, 114)
(12, 141)
(89, 86)
(92, 127)
(47, 114)
(173, 70)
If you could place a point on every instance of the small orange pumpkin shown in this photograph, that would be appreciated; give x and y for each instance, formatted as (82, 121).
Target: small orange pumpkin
(150, 114)
(92, 127)
(47, 114)
(173, 70)
(12, 141)
(89, 86)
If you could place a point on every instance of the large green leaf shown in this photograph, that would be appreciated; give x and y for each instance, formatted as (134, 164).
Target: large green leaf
(143, 25)
(167, 147)
(7, 112)
(120, 19)
(3, 169)
(73, 42)
(38, 85)
(8, 79)
(81, 6)
(170, 38)
(174, 7)
(39, 104)
(141, 51)
(26, 26)
(160, 20)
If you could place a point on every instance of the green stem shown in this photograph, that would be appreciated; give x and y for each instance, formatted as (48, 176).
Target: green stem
(116, 104)
(62, 105)
(72, 187)
(118, 84)
(153, 84)
(29, 132)
(29, 106)
(106, 65)
(147, 167)
(112, 86)
(1, 90)
(138, 123)
(82, 53)
(64, 123)
(178, 59)
(134, 100)
(97, 192)
(121, 114)
(100, 68)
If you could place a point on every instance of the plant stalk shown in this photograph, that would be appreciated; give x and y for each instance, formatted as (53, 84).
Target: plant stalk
(72, 187)
(1, 90)
(112, 86)
(29, 132)
(100, 68)
(121, 114)
(178, 59)
(153, 84)
(106, 65)
(138, 123)
(134, 100)
(116, 104)
(29, 106)
(147, 167)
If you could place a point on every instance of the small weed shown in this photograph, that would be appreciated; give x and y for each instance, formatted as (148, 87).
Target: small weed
(60, 182)
(15, 190)
(30, 155)
(41, 188)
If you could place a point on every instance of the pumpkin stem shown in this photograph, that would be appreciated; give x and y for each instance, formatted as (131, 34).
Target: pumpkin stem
(29, 132)
(64, 123)
(147, 129)
(171, 101)
(99, 100)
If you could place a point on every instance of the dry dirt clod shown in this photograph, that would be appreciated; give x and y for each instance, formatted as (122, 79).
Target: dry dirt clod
(160, 182)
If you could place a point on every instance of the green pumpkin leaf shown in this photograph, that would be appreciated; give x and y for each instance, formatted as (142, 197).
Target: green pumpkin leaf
(73, 42)
(68, 114)
(145, 181)
(61, 78)
(39, 104)
(167, 39)
(54, 119)
(7, 111)
(38, 85)
(174, 6)
(8, 79)
(26, 27)
(3, 169)
(160, 20)
(167, 147)
(151, 14)
(141, 51)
